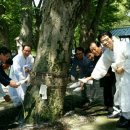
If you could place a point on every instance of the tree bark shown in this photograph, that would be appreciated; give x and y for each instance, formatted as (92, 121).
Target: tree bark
(26, 26)
(90, 26)
(51, 66)
(4, 30)
(37, 23)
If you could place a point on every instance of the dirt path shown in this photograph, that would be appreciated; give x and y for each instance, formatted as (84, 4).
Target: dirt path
(92, 118)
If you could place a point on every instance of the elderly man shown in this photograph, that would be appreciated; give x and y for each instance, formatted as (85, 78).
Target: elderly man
(22, 65)
(108, 81)
(117, 55)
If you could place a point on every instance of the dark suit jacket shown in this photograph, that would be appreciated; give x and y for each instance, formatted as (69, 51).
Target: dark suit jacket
(4, 78)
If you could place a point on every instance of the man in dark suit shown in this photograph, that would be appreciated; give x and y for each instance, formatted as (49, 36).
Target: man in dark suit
(5, 54)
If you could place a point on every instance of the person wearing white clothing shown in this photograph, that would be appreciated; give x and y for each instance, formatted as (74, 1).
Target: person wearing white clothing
(5, 67)
(22, 65)
(117, 55)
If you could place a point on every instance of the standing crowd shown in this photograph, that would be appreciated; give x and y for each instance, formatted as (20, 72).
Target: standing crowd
(110, 67)
(106, 65)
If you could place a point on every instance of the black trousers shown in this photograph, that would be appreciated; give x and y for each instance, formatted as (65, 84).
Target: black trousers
(84, 94)
(108, 83)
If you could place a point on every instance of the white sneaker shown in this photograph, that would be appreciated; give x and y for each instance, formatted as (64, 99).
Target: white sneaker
(116, 109)
(77, 89)
(114, 114)
(74, 85)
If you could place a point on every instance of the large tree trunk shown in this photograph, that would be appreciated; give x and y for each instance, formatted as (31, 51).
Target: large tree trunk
(38, 20)
(52, 60)
(90, 22)
(26, 27)
(85, 22)
(4, 30)
(4, 37)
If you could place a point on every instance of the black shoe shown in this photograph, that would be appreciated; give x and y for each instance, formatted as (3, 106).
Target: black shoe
(123, 123)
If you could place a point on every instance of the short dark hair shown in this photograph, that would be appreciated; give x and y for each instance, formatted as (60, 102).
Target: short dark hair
(79, 49)
(9, 61)
(23, 46)
(4, 50)
(109, 34)
(86, 51)
(97, 43)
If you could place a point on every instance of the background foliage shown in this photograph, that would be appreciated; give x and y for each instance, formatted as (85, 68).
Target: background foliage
(115, 14)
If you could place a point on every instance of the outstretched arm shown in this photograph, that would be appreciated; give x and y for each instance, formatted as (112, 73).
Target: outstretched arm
(85, 80)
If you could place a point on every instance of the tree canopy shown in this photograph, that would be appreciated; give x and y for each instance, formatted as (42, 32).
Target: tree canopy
(114, 15)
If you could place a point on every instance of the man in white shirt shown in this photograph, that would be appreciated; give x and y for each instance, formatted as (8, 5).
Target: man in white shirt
(116, 55)
(22, 65)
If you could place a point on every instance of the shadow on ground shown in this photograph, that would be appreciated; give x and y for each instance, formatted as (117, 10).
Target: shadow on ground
(89, 117)
(77, 116)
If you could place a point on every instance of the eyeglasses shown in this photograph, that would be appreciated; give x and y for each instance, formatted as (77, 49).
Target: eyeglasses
(106, 39)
